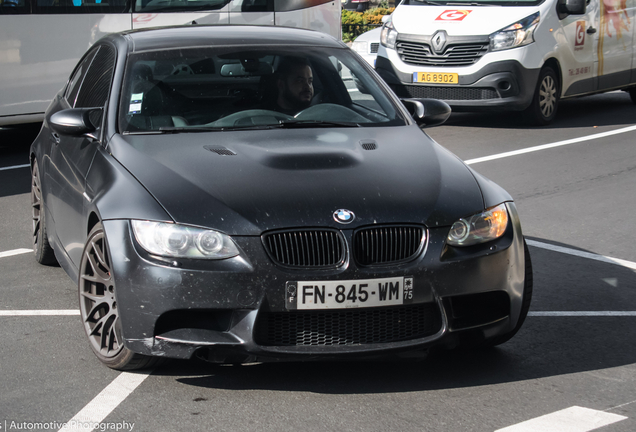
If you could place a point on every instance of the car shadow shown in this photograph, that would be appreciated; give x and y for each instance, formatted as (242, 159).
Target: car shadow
(607, 109)
(14, 151)
(544, 347)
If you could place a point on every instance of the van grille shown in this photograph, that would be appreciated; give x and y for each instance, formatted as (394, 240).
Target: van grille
(445, 93)
(421, 54)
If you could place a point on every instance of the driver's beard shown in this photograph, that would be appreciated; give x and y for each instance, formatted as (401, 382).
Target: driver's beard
(295, 102)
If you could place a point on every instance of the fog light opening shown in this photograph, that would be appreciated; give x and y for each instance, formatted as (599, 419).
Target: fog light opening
(504, 85)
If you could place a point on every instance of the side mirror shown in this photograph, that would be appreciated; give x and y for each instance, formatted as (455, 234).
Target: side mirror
(571, 7)
(74, 122)
(427, 112)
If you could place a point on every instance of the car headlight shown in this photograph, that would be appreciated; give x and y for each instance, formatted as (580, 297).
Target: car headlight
(518, 34)
(180, 241)
(389, 34)
(361, 47)
(479, 228)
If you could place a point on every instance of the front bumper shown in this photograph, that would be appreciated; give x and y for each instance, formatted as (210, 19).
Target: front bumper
(234, 310)
(496, 86)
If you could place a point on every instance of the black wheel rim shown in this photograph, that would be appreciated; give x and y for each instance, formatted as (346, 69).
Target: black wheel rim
(36, 205)
(98, 306)
(547, 96)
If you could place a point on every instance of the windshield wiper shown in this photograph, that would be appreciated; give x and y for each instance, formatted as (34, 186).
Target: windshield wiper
(290, 124)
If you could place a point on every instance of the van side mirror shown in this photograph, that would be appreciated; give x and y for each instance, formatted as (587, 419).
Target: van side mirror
(74, 122)
(571, 7)
(427, 112)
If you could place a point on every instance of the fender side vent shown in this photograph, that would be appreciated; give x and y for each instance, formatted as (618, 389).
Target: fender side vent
(220, 150)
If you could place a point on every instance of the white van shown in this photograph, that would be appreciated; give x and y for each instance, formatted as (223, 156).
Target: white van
(509, 55)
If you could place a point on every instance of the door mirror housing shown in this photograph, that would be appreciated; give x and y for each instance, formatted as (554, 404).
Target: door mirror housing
(571, 7)
(74, 122)
(427, 112)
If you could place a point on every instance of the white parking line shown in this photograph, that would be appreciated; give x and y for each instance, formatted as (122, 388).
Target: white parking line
(548, 146)
(15, 252)
(573, 419)
(105, 402)
(14, 167)
(40, 312)
(588, 255)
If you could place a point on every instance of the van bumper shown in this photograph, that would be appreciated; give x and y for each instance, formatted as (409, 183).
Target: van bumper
(500, 85)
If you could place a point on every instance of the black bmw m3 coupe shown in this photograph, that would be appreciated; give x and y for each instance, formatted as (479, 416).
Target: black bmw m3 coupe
(245, 193)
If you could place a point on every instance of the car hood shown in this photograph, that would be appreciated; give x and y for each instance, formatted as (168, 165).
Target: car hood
(247, 182)
(457, 20)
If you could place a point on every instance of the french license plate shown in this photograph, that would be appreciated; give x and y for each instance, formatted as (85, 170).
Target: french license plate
(435, 78)
(344, 294)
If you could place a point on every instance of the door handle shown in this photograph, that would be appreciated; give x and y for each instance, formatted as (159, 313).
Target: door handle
(591, 30)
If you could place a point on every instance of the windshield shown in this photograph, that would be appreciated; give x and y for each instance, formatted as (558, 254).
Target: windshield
(212, 89)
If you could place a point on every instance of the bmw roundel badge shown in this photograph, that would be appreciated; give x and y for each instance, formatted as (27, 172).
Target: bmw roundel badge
(343, 216)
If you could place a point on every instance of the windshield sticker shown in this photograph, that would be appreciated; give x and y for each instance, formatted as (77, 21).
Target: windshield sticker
(135, 103)
(453, 15)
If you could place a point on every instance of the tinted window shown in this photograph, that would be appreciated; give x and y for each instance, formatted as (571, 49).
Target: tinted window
(96, 85)
(77, 78)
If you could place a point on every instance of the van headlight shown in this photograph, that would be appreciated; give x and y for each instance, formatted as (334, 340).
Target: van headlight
(518, 34)
(181, 241)
(480, 228)
(389, 35)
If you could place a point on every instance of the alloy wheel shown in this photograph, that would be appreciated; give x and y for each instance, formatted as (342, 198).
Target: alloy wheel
(98, 305)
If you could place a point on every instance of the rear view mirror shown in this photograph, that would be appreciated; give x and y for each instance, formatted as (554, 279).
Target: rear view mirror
(427, 112)
(74, 122)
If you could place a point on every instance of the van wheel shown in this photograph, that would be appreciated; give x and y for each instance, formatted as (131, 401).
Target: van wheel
(544, 104)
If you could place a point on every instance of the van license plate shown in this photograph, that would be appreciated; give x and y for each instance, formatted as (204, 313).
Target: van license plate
(435, 78)
(344, 294)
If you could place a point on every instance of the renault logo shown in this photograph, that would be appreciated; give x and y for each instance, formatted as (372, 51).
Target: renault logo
(439, 41)
(343, 216)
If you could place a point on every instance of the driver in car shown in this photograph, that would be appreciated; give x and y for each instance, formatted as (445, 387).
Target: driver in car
(295, 86)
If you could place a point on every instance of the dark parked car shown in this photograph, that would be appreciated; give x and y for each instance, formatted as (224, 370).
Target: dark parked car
(199, 219)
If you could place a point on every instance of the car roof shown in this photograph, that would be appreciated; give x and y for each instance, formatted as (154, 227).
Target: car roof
(223, 35)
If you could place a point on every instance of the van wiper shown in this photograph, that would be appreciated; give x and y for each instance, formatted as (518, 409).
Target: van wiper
(290, 124)
(433, 3)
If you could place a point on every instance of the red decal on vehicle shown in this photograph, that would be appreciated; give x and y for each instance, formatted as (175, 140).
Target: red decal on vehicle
(144, 18)
(579, 37)
(453, 15)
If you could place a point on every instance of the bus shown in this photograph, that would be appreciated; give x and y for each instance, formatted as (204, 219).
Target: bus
(42, 40)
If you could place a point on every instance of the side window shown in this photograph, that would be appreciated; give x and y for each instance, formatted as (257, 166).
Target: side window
(77, 78)
(79, 6)
(96, 85)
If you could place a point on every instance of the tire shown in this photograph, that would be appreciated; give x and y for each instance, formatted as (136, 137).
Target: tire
(632, 94)
(525, 305)
(98, 307)
(43, 251)
(545, 101)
